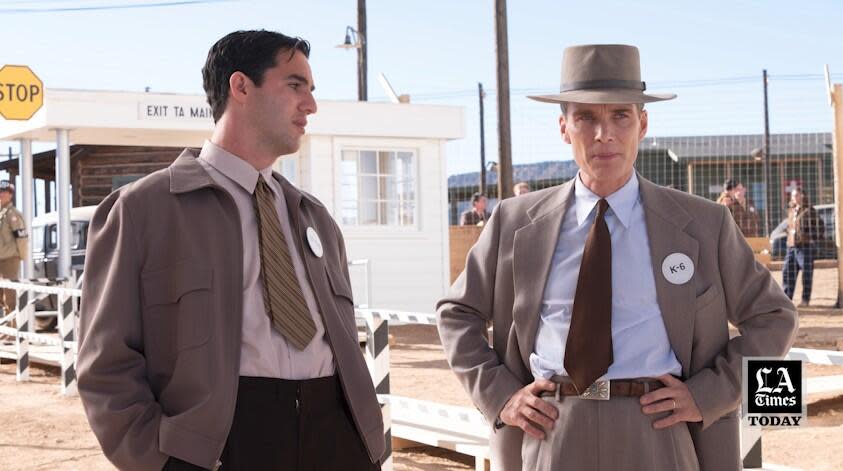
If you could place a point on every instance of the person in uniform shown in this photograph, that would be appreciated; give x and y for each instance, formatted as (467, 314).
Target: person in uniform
(13, 242)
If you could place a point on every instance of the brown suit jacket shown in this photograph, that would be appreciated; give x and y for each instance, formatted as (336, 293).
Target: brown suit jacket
(504, 280)
(160, 326)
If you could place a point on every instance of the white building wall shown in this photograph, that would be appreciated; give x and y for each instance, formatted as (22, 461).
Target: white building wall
(409, 265)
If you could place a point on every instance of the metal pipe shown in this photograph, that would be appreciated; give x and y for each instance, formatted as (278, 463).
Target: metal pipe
(63, 197)
(26, 182)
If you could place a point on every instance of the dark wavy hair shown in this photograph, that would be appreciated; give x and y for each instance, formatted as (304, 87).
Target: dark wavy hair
(249, 52)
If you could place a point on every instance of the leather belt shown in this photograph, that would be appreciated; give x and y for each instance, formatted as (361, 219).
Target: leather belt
(604, 389)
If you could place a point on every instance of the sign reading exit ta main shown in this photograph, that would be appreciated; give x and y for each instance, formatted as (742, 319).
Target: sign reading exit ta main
(21, 92)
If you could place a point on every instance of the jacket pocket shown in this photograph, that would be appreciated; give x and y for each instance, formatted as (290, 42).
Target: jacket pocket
(176, 308)
(706, 298)
(344, 300)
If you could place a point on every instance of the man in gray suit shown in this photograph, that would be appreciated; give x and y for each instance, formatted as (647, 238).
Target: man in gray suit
(610, 299)
(217, 324)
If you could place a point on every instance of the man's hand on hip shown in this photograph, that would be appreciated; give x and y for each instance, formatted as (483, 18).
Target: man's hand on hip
(528, 411)
(676, 397)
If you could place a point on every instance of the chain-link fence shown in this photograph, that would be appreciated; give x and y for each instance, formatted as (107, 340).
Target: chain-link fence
(710, 142)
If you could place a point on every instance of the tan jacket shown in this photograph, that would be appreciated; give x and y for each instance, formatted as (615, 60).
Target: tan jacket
(804, 226)
(504, 279)
(161, 315)
(14, 241)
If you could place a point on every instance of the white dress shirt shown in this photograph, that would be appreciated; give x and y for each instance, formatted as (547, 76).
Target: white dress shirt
(639, 339)
(264, 351)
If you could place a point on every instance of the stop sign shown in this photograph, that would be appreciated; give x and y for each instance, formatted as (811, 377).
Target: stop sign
(21, 92)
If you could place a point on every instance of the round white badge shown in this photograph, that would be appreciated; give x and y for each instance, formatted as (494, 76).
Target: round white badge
(314, 242)
(678, 268)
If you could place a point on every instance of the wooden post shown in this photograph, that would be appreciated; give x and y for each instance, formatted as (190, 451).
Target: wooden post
(362, 83)
(480, 96)
(837, 105)
(766, 163)
(504, 132)
(690, 178)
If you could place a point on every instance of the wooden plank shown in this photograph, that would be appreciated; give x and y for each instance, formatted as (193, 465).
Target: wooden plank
(100, 160)
(106, 181)
(399, 443)
(462, 238)
(837, 151)
(825, 384)
(95, 191)
(758, 244)
(115, 169)
(40, 354)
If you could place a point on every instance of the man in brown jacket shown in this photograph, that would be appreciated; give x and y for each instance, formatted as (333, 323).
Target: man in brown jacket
(217, 323)
(612, 288)
(476, 214)
(743, 212)
(805, 230)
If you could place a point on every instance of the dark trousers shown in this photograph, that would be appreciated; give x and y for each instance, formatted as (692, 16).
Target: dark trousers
(798, 258)
(287, 425)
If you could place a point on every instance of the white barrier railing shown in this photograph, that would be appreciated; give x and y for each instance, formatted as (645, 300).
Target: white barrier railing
(28, 293)
(465, 421)
(468, 423)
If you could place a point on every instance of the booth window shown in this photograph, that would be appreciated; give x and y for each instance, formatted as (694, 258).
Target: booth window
(378, 188)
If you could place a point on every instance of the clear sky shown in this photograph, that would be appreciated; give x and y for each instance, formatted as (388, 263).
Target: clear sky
(710, 53)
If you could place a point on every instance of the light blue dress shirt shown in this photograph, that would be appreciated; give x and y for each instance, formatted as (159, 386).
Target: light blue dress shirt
(640, 344)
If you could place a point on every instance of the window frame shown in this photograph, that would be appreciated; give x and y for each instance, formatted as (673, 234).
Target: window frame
(377, 149)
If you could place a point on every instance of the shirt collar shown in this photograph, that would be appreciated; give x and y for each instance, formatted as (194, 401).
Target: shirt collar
(621, 202)
(233, 167)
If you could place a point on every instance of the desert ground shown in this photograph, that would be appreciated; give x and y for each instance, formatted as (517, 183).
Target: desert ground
(43, 430)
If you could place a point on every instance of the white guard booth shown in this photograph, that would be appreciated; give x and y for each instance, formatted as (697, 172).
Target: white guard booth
(379, 168)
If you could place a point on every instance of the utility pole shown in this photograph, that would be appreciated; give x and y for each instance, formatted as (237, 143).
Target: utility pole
(835, 96)
(362, 86)
(480, 96)
(766, 163)
(504, 132)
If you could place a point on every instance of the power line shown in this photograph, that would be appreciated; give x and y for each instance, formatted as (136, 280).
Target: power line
(108, 7)
(696, 83)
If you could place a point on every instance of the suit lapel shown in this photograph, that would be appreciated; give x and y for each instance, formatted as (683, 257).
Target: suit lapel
(316, 267)
(666, 221)
(300, 220)
(292, 199)
(533, 249)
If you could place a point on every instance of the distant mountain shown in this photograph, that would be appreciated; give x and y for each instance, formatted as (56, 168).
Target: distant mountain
(554, 170)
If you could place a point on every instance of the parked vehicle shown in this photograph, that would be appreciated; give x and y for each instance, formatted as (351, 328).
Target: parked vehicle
(825, 248)
(45, 254)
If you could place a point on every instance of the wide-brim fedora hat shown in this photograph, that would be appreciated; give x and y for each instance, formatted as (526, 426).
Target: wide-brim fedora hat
(602, 73)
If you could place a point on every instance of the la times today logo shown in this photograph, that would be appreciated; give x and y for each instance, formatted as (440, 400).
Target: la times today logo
(773, 392)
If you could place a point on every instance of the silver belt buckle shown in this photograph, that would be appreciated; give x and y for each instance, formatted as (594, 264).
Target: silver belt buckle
(599, 390)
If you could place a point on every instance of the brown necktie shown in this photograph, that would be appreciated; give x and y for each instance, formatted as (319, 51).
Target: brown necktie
(588, 351)
(282, 295)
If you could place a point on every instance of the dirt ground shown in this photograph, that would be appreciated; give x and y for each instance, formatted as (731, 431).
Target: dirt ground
(43, 430)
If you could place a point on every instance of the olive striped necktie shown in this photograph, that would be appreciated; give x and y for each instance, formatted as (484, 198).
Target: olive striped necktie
(588, 350)
(282, 294)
